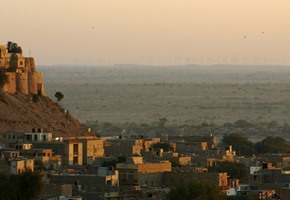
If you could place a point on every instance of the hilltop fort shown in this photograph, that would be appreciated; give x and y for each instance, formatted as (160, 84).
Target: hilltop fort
(23, 102)
(20, 71)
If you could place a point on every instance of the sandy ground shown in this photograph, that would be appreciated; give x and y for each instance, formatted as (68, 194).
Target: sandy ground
(182, 94)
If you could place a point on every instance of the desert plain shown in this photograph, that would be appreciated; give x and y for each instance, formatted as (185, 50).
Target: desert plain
(188, 94)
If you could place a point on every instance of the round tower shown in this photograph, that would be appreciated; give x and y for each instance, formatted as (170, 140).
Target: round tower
(29, 64)
(40, 84)
(32, 82)
(22, 82)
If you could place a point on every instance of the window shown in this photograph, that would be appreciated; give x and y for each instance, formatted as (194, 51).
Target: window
(75, 149)
(13, 137)
(35, 137)
(21, 62)
(28, 138)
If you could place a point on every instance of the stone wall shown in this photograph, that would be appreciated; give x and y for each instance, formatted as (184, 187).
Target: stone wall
(23, 77)
(22, 83)
(10, 86)
(26, 83)
(32, 82)
(29, 64)
(154, 167)
(40, 84)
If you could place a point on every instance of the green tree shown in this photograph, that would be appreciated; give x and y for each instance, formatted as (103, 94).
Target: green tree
(113, 163)
(13, 47)
(59, 96)
(26, 186)
(272, 145)
(235, 170)
(195, 190)
(242, 124)
(228, 124)
(240, 143)
(107, 126)
(161, 123)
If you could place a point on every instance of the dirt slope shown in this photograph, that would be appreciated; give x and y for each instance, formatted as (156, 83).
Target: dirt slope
(20, 112)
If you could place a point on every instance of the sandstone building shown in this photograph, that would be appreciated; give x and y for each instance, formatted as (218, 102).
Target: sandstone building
(21, 73)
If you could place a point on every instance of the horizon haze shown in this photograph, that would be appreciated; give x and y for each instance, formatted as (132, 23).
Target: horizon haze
(165, 32)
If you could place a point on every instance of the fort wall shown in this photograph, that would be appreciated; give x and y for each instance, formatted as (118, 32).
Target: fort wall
(32, 82)
(22, 75)
(29, 64)
(10, 86)
(40, 84)
(22, 83)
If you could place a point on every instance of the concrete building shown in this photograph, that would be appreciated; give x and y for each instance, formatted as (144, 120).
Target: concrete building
(105, 183)
(157, 155)
(198, 174)
(228, 154)
(54, 191)
(70, 150)
(37, 135)
(21, 164)
(23, 146)
(8, 155)
(135, 172)
(12, 137)
(92, 149)
(128, 146)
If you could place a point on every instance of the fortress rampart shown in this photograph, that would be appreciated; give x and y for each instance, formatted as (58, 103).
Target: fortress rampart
(32, 82)
(21, 73)
(22, 82)
(30, 65)
(10, 86)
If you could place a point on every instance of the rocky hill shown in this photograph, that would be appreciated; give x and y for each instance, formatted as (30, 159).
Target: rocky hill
(24, 112)
(23, 103)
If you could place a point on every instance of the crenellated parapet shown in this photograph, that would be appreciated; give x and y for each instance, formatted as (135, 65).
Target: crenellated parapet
(21, 73)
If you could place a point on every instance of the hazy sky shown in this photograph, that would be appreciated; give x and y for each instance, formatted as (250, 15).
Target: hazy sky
(149, 31)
